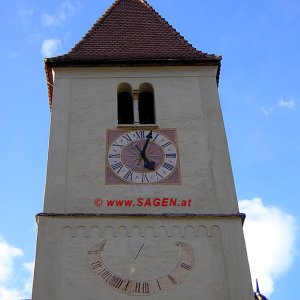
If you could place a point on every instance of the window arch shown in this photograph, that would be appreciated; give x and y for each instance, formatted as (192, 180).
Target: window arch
(125, 104)
(146, 104)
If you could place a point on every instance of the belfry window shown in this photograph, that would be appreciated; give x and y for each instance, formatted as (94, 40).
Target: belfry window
(146, 104)
(136, 106)
(125, 104)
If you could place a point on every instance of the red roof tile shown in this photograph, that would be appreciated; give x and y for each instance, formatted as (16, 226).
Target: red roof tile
(132, 31)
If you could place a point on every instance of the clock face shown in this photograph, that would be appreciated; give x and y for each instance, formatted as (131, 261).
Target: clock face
(141, 269)
(143, 157)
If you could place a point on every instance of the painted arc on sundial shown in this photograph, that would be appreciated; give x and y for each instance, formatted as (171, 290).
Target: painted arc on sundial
(140, 287)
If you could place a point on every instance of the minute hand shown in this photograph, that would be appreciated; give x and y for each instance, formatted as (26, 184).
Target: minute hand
(149, 136)
(147, 164)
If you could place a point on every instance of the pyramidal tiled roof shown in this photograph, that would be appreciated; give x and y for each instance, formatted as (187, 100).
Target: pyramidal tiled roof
(132, 31)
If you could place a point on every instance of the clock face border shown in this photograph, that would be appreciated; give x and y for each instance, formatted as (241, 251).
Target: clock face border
(172, 178)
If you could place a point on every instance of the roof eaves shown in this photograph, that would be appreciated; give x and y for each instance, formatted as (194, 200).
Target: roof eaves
(51, 63)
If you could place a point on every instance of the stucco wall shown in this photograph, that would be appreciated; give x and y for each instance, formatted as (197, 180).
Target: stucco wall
(85, 106)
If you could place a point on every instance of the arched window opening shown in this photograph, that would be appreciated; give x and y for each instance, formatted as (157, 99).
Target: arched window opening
(146, 104)
(125, 104)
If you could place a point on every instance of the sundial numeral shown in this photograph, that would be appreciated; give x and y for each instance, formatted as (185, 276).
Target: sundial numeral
(145, 287)
(92, 252)
(185, 266)
(104, 274)
(137, 287)
(109, 277)
(172, 279)
(126, 286)
(116, 282)
(95, 265)
(158, 284)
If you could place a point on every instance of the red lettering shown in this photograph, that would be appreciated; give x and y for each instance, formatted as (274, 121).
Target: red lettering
(165, 202)
(139, 202)
(147, 202)
(156, 202)
(173, 202)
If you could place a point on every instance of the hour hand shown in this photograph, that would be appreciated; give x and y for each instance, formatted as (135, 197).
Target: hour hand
(149, 164)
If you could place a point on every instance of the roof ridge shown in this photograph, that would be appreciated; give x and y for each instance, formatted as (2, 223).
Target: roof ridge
(96, 23)
(172, 29)
(165, 22)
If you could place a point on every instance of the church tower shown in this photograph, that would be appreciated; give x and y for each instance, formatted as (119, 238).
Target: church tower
(139, 198)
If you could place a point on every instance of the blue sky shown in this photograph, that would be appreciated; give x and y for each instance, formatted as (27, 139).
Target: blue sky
(260, 97)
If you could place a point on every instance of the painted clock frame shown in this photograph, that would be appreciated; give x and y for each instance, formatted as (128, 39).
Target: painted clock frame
(124, 164)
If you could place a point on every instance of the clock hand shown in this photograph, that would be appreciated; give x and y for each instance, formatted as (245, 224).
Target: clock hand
(147, 164)
(139, 251)
(149, 136)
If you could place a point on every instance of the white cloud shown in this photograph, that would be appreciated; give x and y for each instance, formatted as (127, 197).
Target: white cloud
(50, 47)
(285, 104)
(66, 8)
(267, 110)
(289, 104)
(270, 236)
(8, 254)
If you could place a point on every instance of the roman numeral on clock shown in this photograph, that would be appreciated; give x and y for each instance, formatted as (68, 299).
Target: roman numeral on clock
(140, 134)
(118, 166)
(127, 137)
(118, 145)
(158, 175)
(166, 144)
(128, 175)
(168, 166)
(157, 135)
(111, 155)
(170, 155)
(145, 178)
